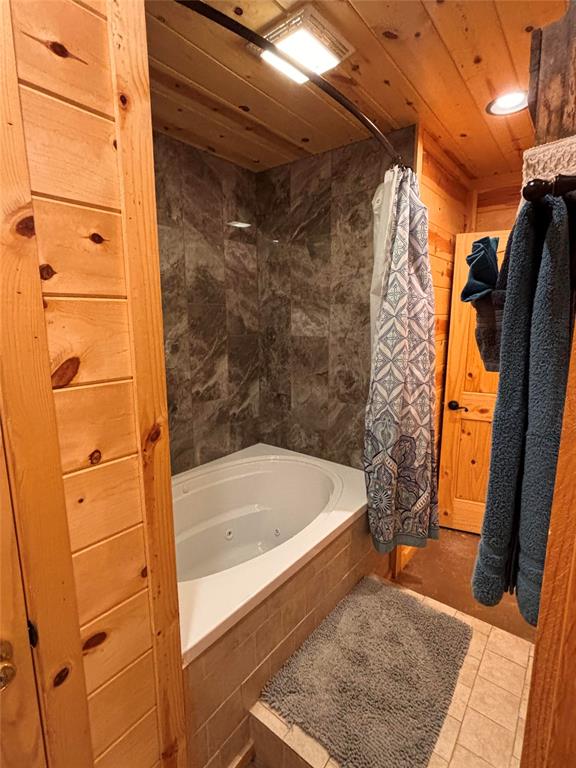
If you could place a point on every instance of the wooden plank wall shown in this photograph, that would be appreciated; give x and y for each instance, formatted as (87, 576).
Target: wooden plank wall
(497, 201)
(85, 111)
(446, 192)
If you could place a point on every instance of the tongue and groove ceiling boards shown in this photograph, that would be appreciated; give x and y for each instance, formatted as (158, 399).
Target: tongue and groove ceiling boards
(438, 63)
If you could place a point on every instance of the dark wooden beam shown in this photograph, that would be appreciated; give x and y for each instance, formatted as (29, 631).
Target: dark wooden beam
(552, 95)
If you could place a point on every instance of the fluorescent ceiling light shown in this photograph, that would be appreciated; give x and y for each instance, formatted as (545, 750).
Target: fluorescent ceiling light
(239, 224)
(309, 40)
(308, 50)
(508, 103)
(284, 66)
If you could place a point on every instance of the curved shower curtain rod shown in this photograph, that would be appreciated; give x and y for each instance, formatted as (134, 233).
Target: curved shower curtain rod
(261, 42)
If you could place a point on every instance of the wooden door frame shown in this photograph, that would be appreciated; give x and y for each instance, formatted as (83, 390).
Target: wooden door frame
(129, 58)
(31, 442)
(20, 709)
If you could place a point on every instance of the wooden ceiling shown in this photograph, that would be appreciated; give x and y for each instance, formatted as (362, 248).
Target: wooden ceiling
(434, 62)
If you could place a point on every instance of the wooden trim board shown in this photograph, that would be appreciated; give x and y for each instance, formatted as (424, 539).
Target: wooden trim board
(32, 449)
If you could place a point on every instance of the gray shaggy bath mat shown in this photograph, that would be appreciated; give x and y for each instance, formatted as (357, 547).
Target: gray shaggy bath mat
(374, 681)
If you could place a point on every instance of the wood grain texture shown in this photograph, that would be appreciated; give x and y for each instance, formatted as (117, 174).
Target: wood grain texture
(137, 748)
(102, 501)
(466, 435)
(205, 104)
(223, 66)
(130, 67)
(63, 48)
(31, 442)
(22, 740)
(433, 63)
(109, 572)
(447, 195)
(79, 250)
(71, 153)
(550, 740)
(556, 105)
(116, 639)
(123, 701)
(95, 424)
(88, 340)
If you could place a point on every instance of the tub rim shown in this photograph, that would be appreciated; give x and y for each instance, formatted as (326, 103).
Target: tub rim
(307, 543)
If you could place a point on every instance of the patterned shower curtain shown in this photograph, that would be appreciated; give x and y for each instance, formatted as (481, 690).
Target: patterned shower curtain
(399, 460)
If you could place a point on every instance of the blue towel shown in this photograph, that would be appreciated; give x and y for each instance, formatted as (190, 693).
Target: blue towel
(484, 290)
(483, 263)
(527, 422)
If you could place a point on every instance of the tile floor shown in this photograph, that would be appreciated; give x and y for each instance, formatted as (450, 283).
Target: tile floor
(484, 727)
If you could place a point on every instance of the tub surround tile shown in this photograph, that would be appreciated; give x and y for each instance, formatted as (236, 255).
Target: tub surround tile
(225, 681)
(298, 279)
(209, 293)
(350, 366)
(205, 269)
(168, 181)
(208, 351)
(211, 430)
(224, 722)
(306, 747)
(273, 202)
(361, 167)
(322, 266)
(310, 288)
(241, 261)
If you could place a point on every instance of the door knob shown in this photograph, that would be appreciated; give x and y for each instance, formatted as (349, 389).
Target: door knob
(454, 405)
(7, 674)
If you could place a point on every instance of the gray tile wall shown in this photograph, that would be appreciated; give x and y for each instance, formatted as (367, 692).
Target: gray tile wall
(315, 268)
(266, 329)
(210, 302)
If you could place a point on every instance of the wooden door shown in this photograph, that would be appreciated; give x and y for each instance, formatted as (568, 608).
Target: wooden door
(466, 432)
(20, 726)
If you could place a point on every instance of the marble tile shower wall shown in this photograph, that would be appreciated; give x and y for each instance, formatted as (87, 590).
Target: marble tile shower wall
(210, 302)
(315, 261)
(267, 329)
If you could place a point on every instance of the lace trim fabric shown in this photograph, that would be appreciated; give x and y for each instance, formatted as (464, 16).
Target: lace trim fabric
(549, 160)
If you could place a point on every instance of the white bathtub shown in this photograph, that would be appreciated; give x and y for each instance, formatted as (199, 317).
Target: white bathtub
(244, 524)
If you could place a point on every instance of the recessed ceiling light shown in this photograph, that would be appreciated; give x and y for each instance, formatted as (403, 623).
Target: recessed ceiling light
(310, 41)
(508, 103)
(239, 224)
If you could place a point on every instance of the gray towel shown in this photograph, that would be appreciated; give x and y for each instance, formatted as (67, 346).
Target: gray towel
(527, 423)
